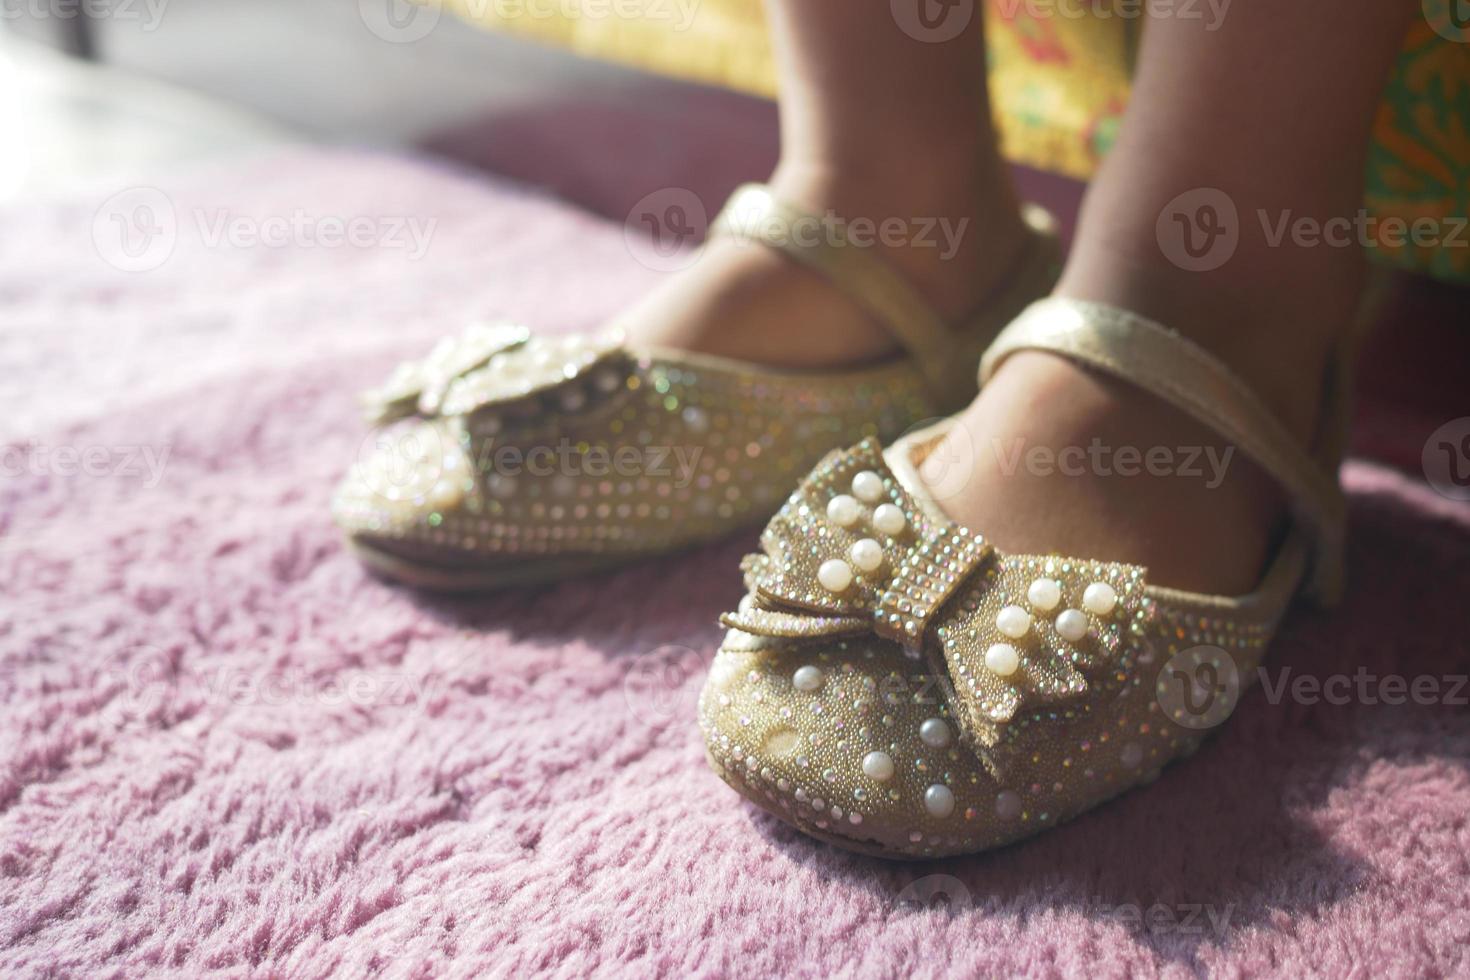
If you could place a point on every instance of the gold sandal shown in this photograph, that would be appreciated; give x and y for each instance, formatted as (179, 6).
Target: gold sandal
(895, 685)
(509, 459)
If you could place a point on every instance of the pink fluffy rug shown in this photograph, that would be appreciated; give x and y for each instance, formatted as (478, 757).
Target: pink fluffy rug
(225, 748)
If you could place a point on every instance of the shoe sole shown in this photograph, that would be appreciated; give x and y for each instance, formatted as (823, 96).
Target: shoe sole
(521, 574)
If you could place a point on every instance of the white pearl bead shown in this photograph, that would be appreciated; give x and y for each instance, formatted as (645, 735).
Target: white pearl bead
(1132, 755)
(878, 765)
(867, 555)
(1044, 594)
(835, 575)
(1013, 621)
(868, 486)
(934, 733)
(807, 678)
(939, 800)
(844, 511)
(1072, 625)
(1002, 659)
(889, 520)
(1099, 598)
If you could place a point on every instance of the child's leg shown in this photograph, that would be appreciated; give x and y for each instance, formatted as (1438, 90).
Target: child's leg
(875, 123)
(1273, 109)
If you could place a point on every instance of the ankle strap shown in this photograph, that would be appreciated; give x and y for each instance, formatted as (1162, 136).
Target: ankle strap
(1157, 359)
(821, 244)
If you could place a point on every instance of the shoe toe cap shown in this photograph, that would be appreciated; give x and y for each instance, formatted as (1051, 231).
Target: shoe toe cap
(406, 483)
(853, 742)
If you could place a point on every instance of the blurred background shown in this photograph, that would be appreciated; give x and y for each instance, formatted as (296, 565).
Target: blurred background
(113, 92)
(118, 88)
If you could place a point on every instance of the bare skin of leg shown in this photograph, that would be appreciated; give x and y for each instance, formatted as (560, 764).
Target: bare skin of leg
(1273, 108)
(874, 124)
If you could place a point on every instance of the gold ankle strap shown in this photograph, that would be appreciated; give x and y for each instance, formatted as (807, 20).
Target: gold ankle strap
(821, 244)
(1157, 359)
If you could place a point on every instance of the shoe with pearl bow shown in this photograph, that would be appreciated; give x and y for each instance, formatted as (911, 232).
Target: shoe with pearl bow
(509, 459)
(895, 685)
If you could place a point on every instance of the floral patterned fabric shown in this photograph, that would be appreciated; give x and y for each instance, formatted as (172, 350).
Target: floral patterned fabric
(1060, 85)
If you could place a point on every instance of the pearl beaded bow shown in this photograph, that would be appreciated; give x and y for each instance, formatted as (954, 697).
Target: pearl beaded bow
(1019, 637)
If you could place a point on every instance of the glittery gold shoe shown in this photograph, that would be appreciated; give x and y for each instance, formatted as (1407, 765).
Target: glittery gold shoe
(510, 459)
(895, 685)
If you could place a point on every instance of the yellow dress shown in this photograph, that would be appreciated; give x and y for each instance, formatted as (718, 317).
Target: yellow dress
(1059, 86)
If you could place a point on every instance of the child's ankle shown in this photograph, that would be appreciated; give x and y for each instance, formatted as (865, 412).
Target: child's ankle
(1274, 330)
(954, 231)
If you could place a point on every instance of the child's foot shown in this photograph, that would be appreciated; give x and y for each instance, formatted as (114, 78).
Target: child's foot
(954, 238)
(1066, 459)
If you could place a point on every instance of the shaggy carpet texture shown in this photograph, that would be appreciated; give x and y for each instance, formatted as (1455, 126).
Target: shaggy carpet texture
(224, 748)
